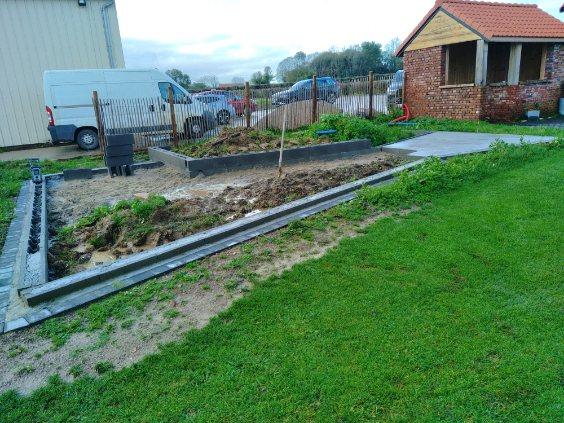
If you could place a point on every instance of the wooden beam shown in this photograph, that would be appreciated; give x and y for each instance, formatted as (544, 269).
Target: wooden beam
(514, 64)
(480, 77)
(447, 64)
(543, 63)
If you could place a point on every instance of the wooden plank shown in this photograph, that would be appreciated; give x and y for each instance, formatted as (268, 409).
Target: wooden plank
(447, 65)
(441, 30)
(481, 73)
(514, 64)
(543, 63)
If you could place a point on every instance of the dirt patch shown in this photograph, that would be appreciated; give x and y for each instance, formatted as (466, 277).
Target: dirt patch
(27, 359)
(242, 140)
(126, 230)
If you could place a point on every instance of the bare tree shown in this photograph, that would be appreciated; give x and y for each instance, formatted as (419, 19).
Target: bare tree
(209, 80)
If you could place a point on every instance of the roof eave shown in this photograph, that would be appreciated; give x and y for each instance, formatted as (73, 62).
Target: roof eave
(527, 40)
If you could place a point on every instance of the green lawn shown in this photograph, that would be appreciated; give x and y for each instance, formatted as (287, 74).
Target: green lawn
(452, 313)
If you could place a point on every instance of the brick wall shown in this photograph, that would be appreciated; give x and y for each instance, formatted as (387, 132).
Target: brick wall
(426, 95)
(424, 77)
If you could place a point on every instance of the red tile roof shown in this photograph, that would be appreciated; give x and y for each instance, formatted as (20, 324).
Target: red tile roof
(494, 20)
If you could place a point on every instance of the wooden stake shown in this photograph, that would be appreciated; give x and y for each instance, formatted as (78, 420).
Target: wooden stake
(99, 123)
(370, 94)
(172, 116)
(247, 105)
(314, 99)
(282, 141)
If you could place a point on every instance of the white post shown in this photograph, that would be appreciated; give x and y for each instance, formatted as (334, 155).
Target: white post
(514, 64)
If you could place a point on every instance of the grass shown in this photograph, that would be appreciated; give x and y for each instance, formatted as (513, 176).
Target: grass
(450, 313)
(13, 173)
(430, 124)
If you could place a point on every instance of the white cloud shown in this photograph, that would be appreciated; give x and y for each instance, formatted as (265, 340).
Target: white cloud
(237, 37)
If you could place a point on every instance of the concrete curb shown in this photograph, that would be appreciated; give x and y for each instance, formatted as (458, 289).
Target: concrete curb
(9, 263)
(211, 165)
(115, 271)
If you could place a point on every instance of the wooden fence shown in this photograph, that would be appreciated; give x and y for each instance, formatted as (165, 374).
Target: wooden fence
(171, 119)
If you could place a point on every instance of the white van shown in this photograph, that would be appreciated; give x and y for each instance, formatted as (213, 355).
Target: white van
(68, 102)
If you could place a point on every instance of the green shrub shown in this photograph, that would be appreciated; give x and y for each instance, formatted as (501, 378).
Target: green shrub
(351, 127)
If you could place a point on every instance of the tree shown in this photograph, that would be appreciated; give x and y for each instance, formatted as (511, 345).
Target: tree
(210, 81)
(297, 74)
(289, 64)
(262, 78)
(391, 62)
(180, 77)
(238, 80)
(355, 60)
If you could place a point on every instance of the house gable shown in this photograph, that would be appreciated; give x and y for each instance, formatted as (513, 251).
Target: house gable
(441, 29)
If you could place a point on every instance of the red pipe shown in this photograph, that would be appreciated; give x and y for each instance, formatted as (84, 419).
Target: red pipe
(406, 115)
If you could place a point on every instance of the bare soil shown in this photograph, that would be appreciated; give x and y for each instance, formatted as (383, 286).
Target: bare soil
(198, 210)
(242, 140)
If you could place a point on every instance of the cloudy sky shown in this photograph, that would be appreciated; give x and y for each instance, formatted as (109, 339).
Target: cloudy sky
(234, 38)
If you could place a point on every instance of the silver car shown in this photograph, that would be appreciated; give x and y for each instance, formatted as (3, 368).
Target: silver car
(218, 105)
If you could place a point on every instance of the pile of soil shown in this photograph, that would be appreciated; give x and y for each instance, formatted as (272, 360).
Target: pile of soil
(123, 233)
(241, 140)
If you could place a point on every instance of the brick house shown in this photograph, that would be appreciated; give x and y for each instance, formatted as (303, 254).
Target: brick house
(483, 60)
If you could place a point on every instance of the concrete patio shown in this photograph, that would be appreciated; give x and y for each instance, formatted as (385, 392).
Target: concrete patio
(446, 144)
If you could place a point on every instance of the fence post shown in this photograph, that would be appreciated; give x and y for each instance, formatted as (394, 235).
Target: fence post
(266, 101)
(172, 116)
(99, 123)
(370, 94)
(247, 105)
(314, 99)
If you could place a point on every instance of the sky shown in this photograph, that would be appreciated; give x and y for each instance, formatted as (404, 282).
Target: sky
(234, 38)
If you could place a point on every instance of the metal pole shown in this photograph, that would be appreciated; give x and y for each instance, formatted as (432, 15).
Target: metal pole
(172, 116)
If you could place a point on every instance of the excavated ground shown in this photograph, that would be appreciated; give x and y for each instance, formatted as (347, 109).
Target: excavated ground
(187, 210)
(242, 140)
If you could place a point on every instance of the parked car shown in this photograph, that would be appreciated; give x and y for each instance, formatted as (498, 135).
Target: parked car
(395, 89)
(235, 100)
(218, 105)
(327, 89)
(68, 103)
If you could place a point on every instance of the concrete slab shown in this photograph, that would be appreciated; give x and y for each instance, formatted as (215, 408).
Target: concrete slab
(446, 144)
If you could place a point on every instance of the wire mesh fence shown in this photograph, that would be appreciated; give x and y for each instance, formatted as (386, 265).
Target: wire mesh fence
(176, 116)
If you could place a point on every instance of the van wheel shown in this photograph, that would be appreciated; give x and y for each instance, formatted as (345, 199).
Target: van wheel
(194, 127)
(87, 139)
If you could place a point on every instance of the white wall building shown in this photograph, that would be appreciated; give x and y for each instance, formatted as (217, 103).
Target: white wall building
(39, 35)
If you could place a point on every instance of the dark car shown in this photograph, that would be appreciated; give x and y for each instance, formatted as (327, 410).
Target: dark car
(327, 89)
(235, 100)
